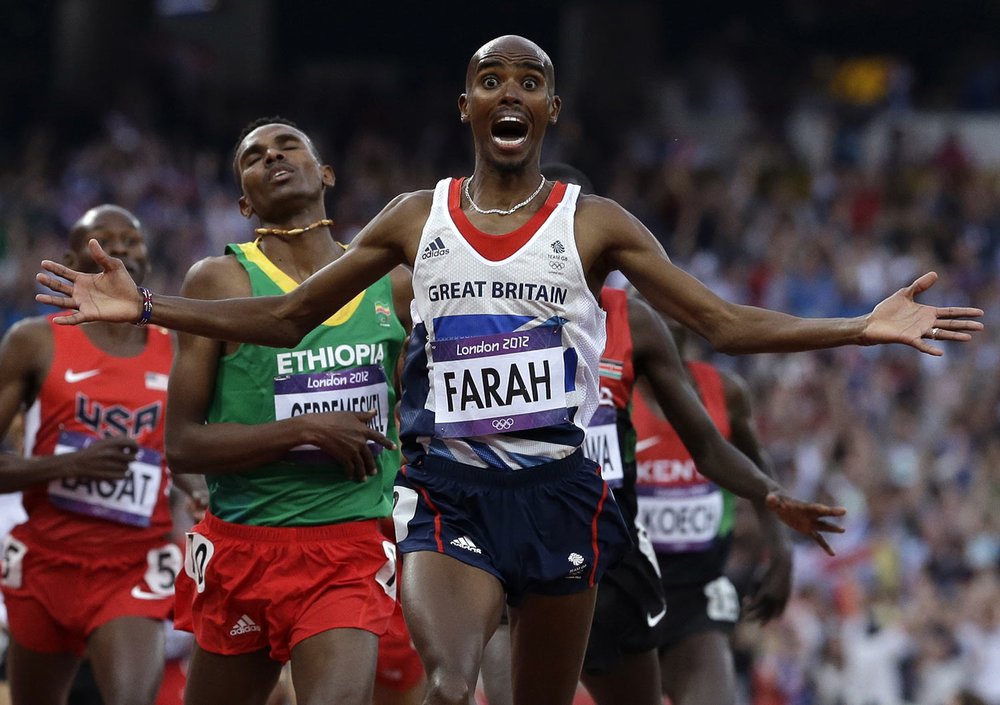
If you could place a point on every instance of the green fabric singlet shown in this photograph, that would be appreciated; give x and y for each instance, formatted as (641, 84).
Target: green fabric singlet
(307, 490)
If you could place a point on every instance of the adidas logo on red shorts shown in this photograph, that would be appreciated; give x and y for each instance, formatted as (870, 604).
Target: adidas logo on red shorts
(245, 625)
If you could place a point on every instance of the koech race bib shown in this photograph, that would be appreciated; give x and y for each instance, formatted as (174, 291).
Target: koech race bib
(356, 389)
(496, 383)
(681, 519)
(130, 500)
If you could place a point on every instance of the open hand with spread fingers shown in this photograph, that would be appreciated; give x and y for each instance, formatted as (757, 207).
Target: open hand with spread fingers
(109, 295)
(900, 319)
(806, 517)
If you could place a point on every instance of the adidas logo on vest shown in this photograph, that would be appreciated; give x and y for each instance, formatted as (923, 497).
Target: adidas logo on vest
(436, 248)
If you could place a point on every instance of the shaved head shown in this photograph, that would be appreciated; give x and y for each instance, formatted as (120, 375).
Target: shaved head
(95, 216)
(512, 47)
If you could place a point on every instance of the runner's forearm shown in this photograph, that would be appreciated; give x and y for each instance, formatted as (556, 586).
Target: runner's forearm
(222, 448)
(18, 473)
(730, 469)
(260, 320)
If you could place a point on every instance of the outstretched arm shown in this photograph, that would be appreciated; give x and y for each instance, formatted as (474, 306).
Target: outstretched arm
(610, 238)
(280, 321)
(656, 358)
(196, 447)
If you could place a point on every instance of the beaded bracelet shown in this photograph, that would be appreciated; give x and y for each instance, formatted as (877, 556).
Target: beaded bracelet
(147, 306)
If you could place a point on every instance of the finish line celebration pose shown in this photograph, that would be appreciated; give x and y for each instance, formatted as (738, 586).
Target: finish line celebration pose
(501, 376)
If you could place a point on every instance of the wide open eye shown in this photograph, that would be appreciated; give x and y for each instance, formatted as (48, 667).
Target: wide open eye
(491, 82)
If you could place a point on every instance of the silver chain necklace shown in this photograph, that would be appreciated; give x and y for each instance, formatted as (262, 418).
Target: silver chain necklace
(500, 211)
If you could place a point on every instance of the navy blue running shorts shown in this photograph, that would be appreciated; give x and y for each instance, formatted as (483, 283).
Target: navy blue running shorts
(554, 529)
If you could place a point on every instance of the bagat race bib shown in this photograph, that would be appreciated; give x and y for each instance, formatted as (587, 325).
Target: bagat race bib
(130, 500)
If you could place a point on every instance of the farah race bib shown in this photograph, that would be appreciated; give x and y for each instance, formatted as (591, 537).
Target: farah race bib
(496, 383)
(356, 389)
(681, 519)
(130, 500)
(601, 445)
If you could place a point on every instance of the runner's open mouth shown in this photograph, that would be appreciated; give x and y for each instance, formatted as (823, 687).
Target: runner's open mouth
(509, 131)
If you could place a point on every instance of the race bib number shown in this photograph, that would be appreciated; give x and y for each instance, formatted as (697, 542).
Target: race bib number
(681, 519)
(723, 602)
(497, 383)
(162, 566)
(356, 389)
(404, 508)
(197, 554)
(601, 445)
(12, 575)
(130, 500)
(386, 575)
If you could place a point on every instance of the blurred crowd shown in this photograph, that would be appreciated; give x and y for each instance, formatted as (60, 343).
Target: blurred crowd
(909, 609)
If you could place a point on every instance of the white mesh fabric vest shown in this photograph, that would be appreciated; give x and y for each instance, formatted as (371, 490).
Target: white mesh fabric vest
(502, 366)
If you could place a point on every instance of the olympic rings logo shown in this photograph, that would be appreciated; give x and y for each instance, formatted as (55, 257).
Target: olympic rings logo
(503, 424)
(557, 265)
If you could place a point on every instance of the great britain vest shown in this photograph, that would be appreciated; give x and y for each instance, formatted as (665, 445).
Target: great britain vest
(501, 371)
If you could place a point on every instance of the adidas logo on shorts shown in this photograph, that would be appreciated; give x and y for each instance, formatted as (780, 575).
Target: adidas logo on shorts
(436, 248)
(244, 625)
(466, 543)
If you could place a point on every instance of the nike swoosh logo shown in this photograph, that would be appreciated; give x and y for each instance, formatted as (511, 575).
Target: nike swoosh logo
(140, 594)
(646, 443)
(653, 620)
(74, 377)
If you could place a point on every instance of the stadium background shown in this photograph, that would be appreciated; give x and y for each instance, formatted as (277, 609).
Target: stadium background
(807, 156)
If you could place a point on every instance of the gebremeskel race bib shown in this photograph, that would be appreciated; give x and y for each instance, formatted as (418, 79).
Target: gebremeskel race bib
(681, 519)
(501, 382)
(601, 445)
(356, 389)
(130, 500)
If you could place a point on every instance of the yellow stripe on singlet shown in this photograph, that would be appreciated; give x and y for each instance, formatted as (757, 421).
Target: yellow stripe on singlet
(253, 253)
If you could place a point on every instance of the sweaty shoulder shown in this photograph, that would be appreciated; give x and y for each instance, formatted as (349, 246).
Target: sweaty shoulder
(596, 215)
(399, 225)
(216, 278)
(30, 333)
(27, 347)
(602, 227)
(405, 212)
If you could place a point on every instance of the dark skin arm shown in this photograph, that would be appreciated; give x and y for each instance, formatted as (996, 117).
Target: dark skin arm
(610, 238)
(196, 447)
(25, 359)
(771, 596)
(388, 241)
(656, 358)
